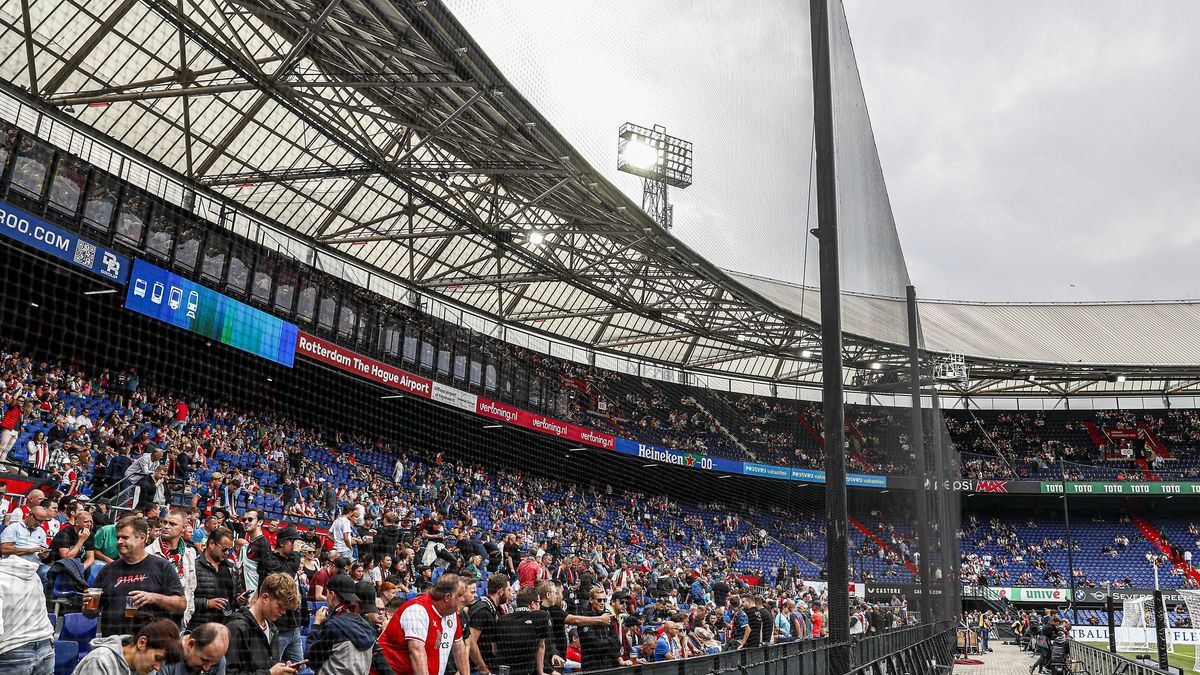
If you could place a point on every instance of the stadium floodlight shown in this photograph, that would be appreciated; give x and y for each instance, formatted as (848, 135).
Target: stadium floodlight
(660, 159)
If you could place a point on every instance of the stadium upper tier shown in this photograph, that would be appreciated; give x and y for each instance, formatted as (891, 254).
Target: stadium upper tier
(378, 144)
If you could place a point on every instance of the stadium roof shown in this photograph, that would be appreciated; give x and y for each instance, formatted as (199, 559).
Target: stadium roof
(379, 129)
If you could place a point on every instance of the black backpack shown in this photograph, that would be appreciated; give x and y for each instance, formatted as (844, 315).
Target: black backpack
(1058, 649)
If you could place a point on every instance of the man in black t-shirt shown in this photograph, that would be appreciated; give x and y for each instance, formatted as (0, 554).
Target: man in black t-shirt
(521, 635)
(551, 595)
(74, 541)
(137, 587)
(481, 622)
(493, 555)
(755, 619)
(766, 620)
(720, 592)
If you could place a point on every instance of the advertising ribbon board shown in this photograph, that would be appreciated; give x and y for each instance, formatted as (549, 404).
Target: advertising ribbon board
(365, 367)
(1019, 594)
(1117, 488)
(546, 425)
(62, 244)
(1179, 636)
(168, 297)
(684, 459)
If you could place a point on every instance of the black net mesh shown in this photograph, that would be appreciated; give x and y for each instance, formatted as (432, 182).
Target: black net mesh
(162, 350)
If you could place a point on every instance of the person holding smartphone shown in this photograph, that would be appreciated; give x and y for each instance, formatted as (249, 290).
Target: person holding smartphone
(218, 588)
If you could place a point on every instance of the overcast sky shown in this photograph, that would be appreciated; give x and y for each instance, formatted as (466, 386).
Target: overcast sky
(1032, 150)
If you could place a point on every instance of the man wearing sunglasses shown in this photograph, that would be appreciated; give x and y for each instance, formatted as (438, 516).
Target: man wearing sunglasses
(600, 630)
(218, 588)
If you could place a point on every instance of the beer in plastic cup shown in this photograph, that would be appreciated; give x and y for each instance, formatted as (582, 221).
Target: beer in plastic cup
(91, 599)
(131, 609)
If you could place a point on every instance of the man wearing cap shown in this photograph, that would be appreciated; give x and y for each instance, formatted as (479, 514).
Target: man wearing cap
(368, 607)
(284, 559)
(341, 640)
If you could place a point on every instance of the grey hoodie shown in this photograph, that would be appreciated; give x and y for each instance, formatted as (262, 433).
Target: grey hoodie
(106, 658)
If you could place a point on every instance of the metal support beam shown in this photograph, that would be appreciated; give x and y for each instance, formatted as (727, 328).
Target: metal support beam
(29, 53)
(398, 236)
(836, 540)
(87, 98)
(917, 442)
(105, 27)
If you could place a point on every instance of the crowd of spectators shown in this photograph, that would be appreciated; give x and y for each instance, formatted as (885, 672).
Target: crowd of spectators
(257, 544)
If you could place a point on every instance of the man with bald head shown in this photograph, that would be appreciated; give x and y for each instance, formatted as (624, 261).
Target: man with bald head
(19, 513)
(25, 539)
(204, 649)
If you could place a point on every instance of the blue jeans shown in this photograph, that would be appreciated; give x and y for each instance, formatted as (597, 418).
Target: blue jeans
(290, 646)
(35, 658)
(985, 634)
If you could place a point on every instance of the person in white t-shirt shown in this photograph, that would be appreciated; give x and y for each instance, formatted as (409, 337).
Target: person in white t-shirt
(342, 533)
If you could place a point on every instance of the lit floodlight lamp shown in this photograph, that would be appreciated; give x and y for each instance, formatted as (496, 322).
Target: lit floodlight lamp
(662, 161)
(639, 154)
(654, 155)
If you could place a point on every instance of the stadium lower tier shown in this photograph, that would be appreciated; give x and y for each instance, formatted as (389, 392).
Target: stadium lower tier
(93, 423)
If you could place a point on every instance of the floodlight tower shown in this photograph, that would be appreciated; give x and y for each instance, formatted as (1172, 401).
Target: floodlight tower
(660, 160)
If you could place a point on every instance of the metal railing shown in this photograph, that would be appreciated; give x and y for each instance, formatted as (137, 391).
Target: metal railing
(927, 650)
(1088, 659)
(878, 646)
(810, 657)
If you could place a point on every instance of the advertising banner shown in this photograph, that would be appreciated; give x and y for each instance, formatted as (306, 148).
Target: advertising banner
(1019, 594)
(62, 244)
(853, 590)
(684, 459)
(1098, 596)
(168, 297)
(818, 476)
(462, 400)
(767, 471)
(1180, 636)
(875, 592)
(328, 353)
(547, 425)
(1116, 488)
(1123, 434)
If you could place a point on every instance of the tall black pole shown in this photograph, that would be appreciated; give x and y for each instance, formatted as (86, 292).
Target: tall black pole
(1112, 628)
(917, 443)
(1070, 542)
(836, 556)
(1160, 628)
(945, 565)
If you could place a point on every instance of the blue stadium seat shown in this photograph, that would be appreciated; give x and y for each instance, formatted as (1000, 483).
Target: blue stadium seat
(93, 572)
(66, 656)
(79, 629)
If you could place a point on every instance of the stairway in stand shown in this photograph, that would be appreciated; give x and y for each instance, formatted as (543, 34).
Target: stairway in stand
(1156, 540)
(866, 532)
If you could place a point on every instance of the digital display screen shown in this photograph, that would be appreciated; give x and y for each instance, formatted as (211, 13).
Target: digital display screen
(169, 297)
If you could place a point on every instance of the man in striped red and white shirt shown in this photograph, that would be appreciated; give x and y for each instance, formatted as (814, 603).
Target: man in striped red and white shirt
(425, 634)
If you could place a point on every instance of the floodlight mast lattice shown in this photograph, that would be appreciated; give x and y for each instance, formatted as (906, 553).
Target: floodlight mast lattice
(661, 160)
